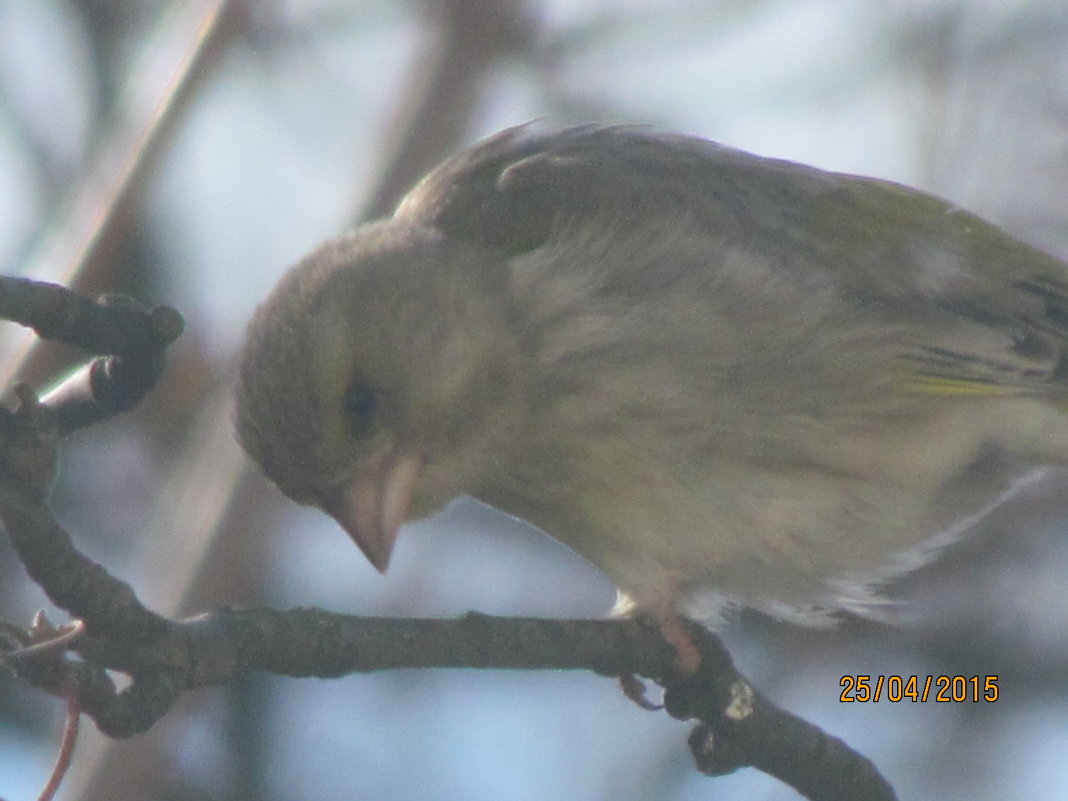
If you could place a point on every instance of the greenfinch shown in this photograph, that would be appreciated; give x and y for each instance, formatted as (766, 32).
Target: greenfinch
(722, 379)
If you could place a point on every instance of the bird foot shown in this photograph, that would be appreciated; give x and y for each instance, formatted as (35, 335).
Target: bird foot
(685, 665)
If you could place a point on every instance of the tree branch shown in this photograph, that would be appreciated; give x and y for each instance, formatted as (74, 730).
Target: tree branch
(134, 337)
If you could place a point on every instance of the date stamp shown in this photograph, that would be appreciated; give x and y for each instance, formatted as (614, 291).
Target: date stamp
(958, 689)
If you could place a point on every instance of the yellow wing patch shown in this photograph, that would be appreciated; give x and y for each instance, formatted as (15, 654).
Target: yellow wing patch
(944, 385)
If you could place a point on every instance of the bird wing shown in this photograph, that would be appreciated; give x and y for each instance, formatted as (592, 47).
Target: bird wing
(988, 314)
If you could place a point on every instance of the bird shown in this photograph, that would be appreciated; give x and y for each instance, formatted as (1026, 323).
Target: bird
(725, 380)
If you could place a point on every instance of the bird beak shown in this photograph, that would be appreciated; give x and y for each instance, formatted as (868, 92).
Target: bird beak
(374, 505)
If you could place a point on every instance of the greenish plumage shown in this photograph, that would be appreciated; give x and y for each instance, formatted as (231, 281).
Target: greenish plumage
(714, 375)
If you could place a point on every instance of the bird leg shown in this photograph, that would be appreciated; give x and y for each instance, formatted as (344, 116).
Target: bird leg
(673, 628)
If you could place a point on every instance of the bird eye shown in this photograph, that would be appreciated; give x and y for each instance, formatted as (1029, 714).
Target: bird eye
(360, 406)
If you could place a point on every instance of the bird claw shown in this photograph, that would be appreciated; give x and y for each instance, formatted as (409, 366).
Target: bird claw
(634, 689)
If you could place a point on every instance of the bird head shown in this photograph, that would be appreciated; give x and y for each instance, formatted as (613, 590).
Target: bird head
(382, 377)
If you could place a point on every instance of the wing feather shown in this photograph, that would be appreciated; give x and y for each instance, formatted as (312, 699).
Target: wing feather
(986, 313)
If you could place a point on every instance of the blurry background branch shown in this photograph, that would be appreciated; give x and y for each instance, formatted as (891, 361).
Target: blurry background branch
(464, 41)
(71, 248)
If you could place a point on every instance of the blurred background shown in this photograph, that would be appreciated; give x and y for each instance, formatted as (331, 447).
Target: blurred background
(187, 152)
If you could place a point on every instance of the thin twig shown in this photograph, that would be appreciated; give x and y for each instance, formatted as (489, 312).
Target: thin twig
(72, 719)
